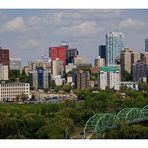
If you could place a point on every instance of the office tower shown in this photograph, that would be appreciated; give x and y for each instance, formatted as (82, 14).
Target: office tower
(58, 52)
(99, 62)
(57, 67)
(4, 57)
(40, 78)
(81, 79)
(146, 45)
(70, 55)
(102, 51)
(108, 76)
(78, 60)
(114, 46)
(139, 70)
(15, 64)
(3, 72)
(135, 56)
(126, 60)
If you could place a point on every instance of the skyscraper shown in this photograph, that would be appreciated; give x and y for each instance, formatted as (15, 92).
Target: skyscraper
(70, 55)
(102, 51)
(58, 52)
(126, 55)
(114, 46)
(146, 45)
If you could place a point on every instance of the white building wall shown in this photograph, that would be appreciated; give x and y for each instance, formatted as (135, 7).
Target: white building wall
(4, 72)
(11, 90)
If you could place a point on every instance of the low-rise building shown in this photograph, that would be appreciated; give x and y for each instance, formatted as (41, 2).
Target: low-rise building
(9, 91)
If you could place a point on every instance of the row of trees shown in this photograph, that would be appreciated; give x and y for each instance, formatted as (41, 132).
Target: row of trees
(55, 121)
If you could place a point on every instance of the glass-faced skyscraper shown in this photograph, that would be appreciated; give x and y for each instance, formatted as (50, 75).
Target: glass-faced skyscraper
(114, 46)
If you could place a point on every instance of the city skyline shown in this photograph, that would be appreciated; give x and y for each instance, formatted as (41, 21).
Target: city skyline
(29, 33)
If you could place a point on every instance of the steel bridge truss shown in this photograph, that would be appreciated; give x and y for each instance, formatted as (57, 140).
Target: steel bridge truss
(100, 122)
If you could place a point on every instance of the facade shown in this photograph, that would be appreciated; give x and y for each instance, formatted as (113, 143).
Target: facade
(9, 91)
(144, 57)
(139, 71)
(40, 78)
(58, 80)
(126, 60)
(70, 55)
(81, 79)
(4, 72)
(4, 57)
(136, 56)
(114, 46)
(130, 85)
(70, 67)
(108, 76)
(102, 51)
(58, 52)
(99, 62)
(146, 45)
(78, 60)
(57, 67)
(85, 66)
(15, 64)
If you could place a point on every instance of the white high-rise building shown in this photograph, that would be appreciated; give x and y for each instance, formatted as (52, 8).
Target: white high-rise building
(114, 46)
(109, 76)
(3, 72)
(57, 67)
(79, 60)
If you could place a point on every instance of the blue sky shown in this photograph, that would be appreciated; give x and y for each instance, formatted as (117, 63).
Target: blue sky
(29, 33)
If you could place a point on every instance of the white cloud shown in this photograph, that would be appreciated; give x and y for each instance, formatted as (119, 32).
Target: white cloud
(131, 23)
(16, 24)
(31, 43)
(82, 29)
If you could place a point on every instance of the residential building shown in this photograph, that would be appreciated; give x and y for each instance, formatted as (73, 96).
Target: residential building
(114, 46)
(144, 57)
(108, 76)
(9, 91)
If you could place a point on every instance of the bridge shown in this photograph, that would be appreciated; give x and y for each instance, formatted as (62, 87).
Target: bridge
(100, 122)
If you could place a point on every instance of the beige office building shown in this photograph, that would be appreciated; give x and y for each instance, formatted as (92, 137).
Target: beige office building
(126, 60)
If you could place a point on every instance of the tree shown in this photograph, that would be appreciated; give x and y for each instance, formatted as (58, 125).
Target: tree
(126, 76)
